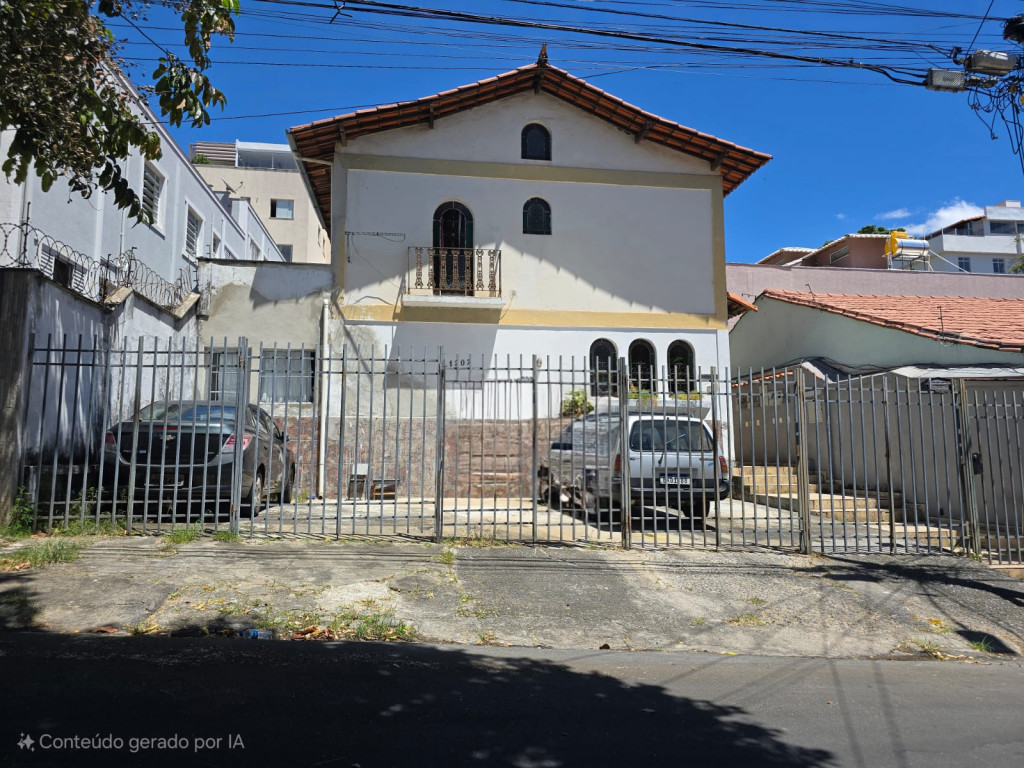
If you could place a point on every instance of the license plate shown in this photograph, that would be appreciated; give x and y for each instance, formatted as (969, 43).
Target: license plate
(674, 480)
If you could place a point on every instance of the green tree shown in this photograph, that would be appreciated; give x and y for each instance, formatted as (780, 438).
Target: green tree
(1017, 267)
(873, 229)
(63, 96)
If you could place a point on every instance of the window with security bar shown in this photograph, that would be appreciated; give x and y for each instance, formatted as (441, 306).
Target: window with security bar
(152, 186)
(193, 229)
(225, 378)
(287, 375)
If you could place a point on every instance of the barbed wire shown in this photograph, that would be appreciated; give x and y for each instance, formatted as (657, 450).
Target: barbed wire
(24, 246)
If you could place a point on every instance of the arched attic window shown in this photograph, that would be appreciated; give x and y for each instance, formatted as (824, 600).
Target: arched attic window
(536, 141)
(536, 217)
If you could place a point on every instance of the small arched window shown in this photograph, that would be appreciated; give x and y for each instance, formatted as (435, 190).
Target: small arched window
(641, 365)
(536, 217)
(536, 142)
(603, 368)
(682, 373)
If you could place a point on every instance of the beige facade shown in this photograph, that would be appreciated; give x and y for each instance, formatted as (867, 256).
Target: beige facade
(267, 176)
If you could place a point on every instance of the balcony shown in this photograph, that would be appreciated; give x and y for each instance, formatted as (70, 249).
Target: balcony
(454, 277)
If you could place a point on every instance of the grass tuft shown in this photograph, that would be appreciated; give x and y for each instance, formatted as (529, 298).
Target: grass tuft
(185, 534)
(43, 553)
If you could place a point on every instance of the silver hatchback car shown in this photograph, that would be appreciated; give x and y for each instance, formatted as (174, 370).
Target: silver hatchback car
(673, 461)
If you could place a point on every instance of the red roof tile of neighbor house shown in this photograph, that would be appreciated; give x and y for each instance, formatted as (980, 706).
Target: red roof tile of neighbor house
(980, 322)
(317, 140)
(738, 306)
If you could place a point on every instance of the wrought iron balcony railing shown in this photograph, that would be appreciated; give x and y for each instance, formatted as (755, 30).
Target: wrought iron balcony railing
(455, 271)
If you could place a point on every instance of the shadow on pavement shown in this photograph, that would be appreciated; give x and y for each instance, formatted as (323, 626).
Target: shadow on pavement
(365, 704)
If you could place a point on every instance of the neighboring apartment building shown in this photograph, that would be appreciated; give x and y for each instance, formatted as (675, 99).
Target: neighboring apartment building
(989, 243)
(78, 271)
(267, 176)
(502, 218)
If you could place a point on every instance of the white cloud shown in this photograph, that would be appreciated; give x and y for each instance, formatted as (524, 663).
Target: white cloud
(944, 216)
(899, 213)
(841, 216)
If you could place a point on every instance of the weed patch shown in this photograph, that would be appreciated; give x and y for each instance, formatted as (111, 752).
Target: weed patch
(226, 536)
(185, 534)
(747, 620)
(22, 518)
(37, 555)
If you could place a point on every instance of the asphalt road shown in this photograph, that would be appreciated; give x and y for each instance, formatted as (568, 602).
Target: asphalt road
(237, 702)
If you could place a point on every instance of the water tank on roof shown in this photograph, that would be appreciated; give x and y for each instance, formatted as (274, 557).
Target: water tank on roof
(900, 246)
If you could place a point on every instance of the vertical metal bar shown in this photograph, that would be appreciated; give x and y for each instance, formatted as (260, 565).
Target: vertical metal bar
(924, 478)
(803, 475)
(873, 388)
(104, 420)
(133, 466)
(964, 445)
(533, 443)
(342, 415)
(861, 402)
(36, 485)
(717, 447)
(1015, 422)
(439, 449)
(88, 430)
(123, 354)
(55, 466)
(1003, 490)
(944, 495)
(739, 453)
(241, 418)
(990, 420)
(624, 479)
(322, 377)
(888, 464)
(820, 400)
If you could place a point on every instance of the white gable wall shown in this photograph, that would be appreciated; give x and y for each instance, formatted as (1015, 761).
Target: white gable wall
(491, 133)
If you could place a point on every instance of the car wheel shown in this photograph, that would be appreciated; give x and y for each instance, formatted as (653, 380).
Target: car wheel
(251, 503)
(286, 492)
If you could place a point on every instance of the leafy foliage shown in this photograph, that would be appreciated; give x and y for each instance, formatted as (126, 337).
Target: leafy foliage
(576, 404)
(66, 100)
(873, 229)
(1017, 268)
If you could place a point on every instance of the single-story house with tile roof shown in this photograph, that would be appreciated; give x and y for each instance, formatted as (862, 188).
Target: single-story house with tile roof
(879, 332)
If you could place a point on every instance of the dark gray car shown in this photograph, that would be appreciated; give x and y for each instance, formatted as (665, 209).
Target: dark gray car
(185, 454)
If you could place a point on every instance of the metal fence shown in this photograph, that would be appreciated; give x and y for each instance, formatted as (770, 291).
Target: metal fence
(425, 443)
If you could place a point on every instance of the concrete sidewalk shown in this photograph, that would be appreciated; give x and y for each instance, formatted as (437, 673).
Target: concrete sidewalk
(763, 603)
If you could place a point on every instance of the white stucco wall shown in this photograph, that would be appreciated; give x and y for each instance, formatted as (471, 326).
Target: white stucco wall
(612, 248)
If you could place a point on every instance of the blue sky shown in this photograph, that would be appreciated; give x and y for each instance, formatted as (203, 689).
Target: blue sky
(850, 147)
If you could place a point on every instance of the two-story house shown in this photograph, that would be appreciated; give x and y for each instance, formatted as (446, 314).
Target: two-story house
(529, 213)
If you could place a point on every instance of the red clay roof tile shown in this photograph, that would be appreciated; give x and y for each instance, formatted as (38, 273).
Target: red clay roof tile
(980, 322)
(317, 139)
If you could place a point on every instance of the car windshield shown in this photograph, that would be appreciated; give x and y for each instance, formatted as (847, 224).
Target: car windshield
(188, 412)
(669, 435)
